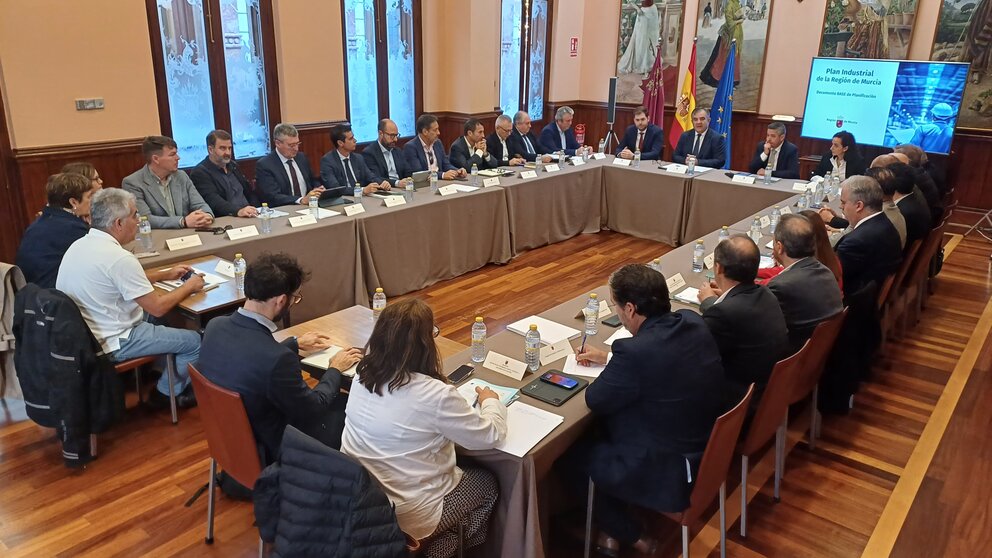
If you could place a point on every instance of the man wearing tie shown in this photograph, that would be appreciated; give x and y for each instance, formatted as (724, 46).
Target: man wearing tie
(498, 143)
(284, 177)
(558, 135)
(341, 168)
(775, 155)
(384, 160)
(709, 149)
(522, 142)
(641, 136)
(425, 151)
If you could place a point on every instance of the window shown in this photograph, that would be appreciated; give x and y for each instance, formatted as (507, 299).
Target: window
(381, 62)
(524, 31)
(211, 71)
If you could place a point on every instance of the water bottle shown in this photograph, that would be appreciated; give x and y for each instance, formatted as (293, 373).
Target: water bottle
(690, 162)
(314, 208)
(817, 200)
(756, 230)
(478, 340)
(408, 191)
(585, 154)
(591, 312)
(834, 184)
(475, 175)
(240, 267)
(724, 234)
(768, 177)
(698, 253)
(803, 202)
(637, 158)
(561, 157)
(602, 145)
(776, 215)
(378, 303)
(145, 234)
(358, 192)
(266, 216)
(656, 265)
(532, 348)
(433, 183)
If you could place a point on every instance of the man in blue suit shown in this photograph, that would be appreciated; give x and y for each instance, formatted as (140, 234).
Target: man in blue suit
(522, 141)
(641, 136)
(239, 353)
(384, 159)
(776, 155)
(341, 168)
(559, 135)
(708, 147)
(425, 152)
(283, 177)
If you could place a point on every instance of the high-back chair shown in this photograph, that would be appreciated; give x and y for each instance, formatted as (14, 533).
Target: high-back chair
(810, 370)
(890, 306)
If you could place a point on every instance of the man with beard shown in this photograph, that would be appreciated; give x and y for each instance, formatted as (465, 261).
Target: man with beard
(239, 353)
(221, 182)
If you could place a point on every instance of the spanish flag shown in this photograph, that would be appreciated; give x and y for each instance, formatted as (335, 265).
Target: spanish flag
(686, 101)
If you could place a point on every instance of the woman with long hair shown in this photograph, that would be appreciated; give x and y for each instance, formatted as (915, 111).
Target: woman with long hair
(843, 158)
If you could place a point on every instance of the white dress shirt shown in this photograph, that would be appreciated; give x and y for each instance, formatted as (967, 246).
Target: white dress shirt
(304, 187)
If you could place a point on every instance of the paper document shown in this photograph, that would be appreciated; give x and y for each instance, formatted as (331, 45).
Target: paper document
(273, 213)
(525, 427)
(506, 395)
(766, 262)
(491, 172)
(322, 359)
(573, 367)
(689, 295)
(621, 333)
(551, 332)
(208, 278)
(321, 213)
(464, 188)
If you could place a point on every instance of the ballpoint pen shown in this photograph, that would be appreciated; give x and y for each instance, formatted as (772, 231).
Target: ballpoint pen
(582, 349)
(476, 402)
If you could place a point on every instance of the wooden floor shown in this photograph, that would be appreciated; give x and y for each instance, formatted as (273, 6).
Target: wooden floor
(129, 502)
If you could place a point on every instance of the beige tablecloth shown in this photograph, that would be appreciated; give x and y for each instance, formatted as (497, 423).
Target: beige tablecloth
(646, 202)
(714, 200)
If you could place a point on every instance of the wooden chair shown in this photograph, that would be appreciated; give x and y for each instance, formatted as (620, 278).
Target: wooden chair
(918, 280)
(711, 479)
(890, 303)
(229, 438)
(810, 369)
(768, 421)
(136, 364)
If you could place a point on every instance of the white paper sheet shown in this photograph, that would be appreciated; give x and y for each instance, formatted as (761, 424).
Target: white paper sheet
(551, 332)
(321, 359)
(621, 333)
(573, 367)
(525, 427)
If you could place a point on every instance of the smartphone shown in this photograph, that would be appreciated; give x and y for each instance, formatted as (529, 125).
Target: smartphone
(460, 373)
(187, 275)
(559, 380)
(612, 321)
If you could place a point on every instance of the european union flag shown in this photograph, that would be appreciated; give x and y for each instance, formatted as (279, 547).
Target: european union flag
(723, 102)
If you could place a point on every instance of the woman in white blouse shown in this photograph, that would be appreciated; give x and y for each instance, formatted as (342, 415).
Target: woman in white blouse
(403, 420)
(844, 159)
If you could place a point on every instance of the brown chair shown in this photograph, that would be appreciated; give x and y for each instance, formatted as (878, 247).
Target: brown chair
(918, 279)
(811, 368)
(711, 478)
(890, 304)
(229, 438)
(768, 421)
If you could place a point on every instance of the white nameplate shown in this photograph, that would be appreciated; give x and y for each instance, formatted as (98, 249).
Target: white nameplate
(675, 282)
(183, 242)
(393, 201)
(621, 162)
(242, 232)
(505, 365)
(302, 221)
(447, 190)
(553, 167)
(555, 351)
(599, 156)
(576, 161)
(225, 267)
(765, 221)
(354, 209)
(743, 179)
(676, 168)
(708, 261)
(800, 186)
(528, 174)
(494, 181)
(786, 210)
(771, 244)
(321, 212)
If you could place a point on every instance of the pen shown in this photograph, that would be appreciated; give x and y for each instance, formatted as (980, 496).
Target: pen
(582, 349)
(476, 402)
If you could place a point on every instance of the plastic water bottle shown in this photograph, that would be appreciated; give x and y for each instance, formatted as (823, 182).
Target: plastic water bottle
(767, 179)
(776, 215)
(698, 253)
(756, 230)
(602, 145)
(637, 158)
(145, 234)
(532, 348)
(433, 183)
(817, 200)
(408, 191)
(803, 202)
(314, 208)
(266, 216)
(478, 340)
(240, 267)
(475, 175)
(585, 154)
(724, 234)
(656, 265)
(561, 157)
(834, 185)
(591, 312)
(690, 163)
(378, 303)
(358, 192)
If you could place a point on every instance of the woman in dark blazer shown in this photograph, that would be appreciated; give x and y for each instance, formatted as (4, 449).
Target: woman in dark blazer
(843, 157)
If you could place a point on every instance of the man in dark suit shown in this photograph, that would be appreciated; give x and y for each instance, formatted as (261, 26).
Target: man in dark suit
(239, 353)
(559, 135)
(523, 143)
(655, 404)
(745, 319)
(341, 168)
(910, 202)
(870, 251)
(776, 155)
(425, 151)
(641, 136)
(807, 290)
(887, 182)
(499, 143)
(913, 156)
(220, 181)
(385, 161)
(708, 147)
(471, 148)
(284, 177)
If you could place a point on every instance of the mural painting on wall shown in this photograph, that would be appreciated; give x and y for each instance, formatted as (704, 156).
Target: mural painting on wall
(877, 29)
(719, 22)
(648, 28)
(964, 34)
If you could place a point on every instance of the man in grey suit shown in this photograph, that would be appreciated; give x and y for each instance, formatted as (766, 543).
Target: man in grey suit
(806, 289)
(163, 192)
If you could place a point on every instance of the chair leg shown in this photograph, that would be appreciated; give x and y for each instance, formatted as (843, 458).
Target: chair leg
(814, 419)
(210, 502)
(779, 459)
(261, 547)
(170, 369)
(744, 461)
(723, 519)
(685, 541)
(93, 448)
(461, 539)
(589, 503)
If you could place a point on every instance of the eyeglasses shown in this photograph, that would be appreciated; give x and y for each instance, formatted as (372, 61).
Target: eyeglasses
(297, 298)
(388, 135)
(287, 144)
(506, 130)
(436, 331)
(215, 230)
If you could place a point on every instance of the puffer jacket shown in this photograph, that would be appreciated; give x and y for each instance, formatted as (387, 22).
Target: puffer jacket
(316, 501)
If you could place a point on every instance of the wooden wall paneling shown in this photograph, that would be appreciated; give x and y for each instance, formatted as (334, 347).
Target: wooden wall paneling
(12, 220)
(969, 169)
(452, 124)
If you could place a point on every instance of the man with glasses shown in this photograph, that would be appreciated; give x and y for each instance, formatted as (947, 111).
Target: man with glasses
(284, 177)
(523, 143)
(385, 161)
(220, 181)
(240, 354)
(497, 143)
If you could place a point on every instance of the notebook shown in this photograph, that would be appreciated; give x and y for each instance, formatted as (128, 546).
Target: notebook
(551, 332)
(506, 394)
(321, 359)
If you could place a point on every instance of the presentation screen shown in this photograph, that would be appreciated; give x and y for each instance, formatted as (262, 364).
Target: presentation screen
(885, 102)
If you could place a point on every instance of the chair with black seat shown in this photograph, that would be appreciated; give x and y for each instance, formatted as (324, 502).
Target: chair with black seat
(711, 479)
